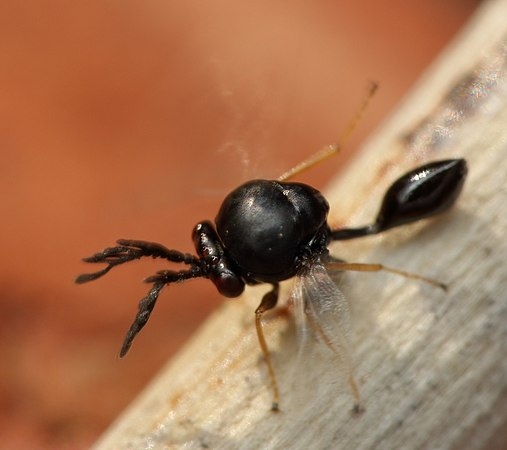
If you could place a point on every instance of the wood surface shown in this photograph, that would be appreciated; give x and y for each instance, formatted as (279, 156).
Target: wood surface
(431, 365)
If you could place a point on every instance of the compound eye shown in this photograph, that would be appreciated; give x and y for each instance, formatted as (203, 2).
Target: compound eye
(228, 284)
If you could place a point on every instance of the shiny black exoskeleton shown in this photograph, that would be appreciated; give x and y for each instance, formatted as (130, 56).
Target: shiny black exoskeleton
(269, 231)
(268, 227)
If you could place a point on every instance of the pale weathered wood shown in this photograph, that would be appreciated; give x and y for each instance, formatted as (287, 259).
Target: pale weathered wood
(432, 366)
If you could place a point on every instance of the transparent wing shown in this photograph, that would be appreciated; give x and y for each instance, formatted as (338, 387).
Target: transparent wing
(323, 323)
(325, 310)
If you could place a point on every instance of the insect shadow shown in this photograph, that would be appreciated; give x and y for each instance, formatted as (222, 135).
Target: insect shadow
(267, 231)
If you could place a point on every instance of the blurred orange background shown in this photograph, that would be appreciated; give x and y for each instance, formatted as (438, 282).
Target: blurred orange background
(133, 119)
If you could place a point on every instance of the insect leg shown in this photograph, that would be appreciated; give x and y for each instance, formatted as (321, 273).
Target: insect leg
(268, 302)
(364, 267)
(334, 149)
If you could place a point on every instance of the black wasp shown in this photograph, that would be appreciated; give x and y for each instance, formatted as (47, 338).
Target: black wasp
(268, 231)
